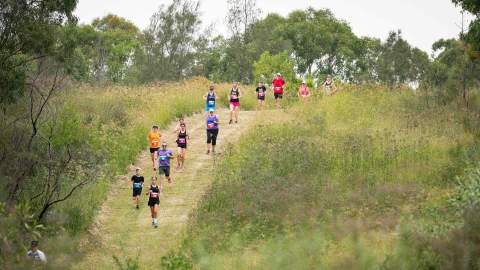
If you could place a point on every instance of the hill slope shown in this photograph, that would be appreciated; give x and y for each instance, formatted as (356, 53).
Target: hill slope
(122, 231)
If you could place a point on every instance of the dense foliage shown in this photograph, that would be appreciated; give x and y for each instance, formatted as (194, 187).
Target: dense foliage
(55, 137)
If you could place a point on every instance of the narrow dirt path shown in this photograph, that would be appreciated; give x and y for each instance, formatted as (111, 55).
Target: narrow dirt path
(125, 232)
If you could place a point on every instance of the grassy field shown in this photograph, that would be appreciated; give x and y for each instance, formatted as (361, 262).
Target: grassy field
(366, 179)
(114, 121)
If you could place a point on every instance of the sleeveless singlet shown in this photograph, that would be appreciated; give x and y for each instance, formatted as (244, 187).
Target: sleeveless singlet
(211, 99)
(154, 192)
(182, 137)
(234, 95)
(211, 122)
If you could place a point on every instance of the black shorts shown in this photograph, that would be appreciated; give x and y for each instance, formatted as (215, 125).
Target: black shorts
(137, 192)
(184, 146)
(153, 150)
(153, 201)
(278, 95)
(164, 170)
(261, 97)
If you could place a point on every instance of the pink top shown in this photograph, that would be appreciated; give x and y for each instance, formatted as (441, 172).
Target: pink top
(304, 91)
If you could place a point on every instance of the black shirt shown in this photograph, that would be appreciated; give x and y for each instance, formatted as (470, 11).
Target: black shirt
(137, 181)
(261, 89)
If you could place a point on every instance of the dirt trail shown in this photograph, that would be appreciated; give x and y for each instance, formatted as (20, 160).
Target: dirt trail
(125, 232)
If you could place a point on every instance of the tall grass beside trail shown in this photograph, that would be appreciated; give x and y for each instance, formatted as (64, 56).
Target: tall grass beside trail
(330, 184)
(114, 121)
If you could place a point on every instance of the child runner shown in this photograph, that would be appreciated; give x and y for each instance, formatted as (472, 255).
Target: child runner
(182, 137)
(137, 185)
(212, 131)
(234, 102)
(164, 155)
(154, 200)
(261, 89)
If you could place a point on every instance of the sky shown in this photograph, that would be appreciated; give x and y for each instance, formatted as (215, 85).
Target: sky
(422, 22)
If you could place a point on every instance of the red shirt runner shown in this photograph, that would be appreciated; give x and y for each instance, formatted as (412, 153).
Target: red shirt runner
(278, 85)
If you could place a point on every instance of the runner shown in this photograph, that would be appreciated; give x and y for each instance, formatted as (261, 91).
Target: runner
(261, 89)
(164, 155)
(234, 102)
(329, 86)
(154, 140)
(180, 122)
(182, 138)
(303, 91)
(212, 131)
(137, 185)
(154, 199)
(278, 83)
(210, 99)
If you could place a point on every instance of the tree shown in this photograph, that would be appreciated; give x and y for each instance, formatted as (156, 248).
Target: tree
(473, 35)
(241, 15)
(453, 72)
(169, 42)
(399, 63)
(27, 33)
(320, 42)
(115, 43)
(268, 65)
(265, 35)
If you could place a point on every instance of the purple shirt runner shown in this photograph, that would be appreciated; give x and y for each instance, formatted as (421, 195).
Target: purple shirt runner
(164, 157)
(212, 122)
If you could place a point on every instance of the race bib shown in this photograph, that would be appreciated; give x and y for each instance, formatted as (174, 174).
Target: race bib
(155, 144)
(153, 195)
(234, 97)
(277, 88)
(182, 140)
(211, 102)
(137, 185)
(210, 125)
(261, 94)
(163, 158)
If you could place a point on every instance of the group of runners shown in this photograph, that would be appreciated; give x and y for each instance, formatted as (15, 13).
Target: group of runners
(161, 156)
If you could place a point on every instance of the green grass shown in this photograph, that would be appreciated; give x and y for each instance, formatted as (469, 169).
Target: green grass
(349, 169)
(113, 123)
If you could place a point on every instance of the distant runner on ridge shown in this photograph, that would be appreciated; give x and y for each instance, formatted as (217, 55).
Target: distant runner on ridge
(278, 83)
(329, 86)
(261, 90)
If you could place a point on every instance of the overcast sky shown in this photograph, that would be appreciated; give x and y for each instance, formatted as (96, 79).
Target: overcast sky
(421, 21)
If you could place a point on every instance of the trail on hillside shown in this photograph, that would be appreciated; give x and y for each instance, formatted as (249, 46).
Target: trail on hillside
(125, 232)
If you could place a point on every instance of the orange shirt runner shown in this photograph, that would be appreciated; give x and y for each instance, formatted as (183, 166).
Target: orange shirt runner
(154, 138)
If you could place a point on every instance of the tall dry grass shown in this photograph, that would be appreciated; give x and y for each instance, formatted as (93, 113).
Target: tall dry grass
(349, 169)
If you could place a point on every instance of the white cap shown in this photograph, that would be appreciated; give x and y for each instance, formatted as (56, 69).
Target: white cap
(211, 110)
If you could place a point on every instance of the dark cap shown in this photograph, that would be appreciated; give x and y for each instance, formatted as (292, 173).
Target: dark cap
(34, 243)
